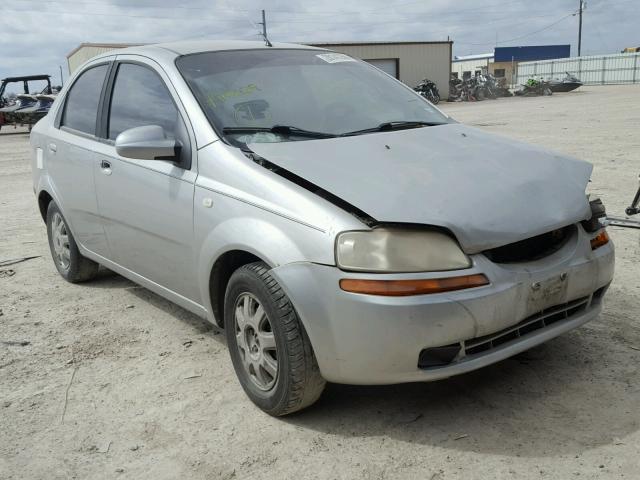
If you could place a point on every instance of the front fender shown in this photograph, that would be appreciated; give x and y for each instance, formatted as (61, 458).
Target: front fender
(276, 241)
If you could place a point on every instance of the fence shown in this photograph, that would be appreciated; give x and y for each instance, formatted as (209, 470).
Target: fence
(592, 70)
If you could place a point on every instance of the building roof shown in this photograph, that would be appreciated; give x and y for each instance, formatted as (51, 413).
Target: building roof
(426, 42)
(103, 45)
(464, 58)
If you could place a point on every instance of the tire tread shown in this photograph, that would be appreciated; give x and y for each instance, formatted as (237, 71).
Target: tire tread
(306, 382)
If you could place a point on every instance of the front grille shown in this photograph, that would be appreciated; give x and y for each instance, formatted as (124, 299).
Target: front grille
(536, 322)
(532, 248)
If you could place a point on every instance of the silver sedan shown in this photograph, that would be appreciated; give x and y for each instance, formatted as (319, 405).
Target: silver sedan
(337, 225)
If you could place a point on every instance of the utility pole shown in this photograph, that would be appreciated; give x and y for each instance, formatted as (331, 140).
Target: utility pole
(580, 26)
(264, 30)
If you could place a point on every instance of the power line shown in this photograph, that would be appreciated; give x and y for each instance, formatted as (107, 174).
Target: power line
(244, 12)
(522, 36)
(481, 10)
(208, 8)
(226, 20)
(386, 22)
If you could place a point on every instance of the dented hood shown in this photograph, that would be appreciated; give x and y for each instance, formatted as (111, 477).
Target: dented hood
(486, 189)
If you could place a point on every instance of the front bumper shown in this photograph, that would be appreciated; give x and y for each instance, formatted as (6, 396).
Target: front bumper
(366, 339)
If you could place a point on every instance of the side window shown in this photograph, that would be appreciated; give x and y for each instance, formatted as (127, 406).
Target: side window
(81, 107)
(140, 98)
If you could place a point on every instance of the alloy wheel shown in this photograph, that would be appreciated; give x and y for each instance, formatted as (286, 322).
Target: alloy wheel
(60, 241)
(256, 342)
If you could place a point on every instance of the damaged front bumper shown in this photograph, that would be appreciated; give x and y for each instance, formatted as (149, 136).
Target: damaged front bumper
(368, 339)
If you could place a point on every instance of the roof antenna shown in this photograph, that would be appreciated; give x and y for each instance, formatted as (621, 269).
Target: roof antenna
(264, 30)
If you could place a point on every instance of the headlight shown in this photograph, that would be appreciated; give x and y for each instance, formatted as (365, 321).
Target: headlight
(391, 250)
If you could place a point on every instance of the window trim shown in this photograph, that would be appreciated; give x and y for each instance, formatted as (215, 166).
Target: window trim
(61, 111)
(102, 130)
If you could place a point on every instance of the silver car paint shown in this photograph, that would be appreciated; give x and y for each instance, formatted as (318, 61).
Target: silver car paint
(136, 197)
(376, 340)
(450, 175)
(168, 227)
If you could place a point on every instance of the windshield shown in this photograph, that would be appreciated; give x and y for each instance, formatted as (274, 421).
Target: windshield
(245, 93)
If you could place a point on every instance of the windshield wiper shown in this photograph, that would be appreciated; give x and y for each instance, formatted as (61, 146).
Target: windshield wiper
(388, 126)
(279, 129)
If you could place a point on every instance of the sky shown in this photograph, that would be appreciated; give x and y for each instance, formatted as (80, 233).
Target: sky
(38, 34)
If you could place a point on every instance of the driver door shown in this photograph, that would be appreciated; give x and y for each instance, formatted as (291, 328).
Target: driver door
(147, 205)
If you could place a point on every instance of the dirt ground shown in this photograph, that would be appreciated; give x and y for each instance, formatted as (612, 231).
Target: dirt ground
(108, 380)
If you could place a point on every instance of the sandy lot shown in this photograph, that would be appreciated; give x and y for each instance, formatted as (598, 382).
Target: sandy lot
(150, 391)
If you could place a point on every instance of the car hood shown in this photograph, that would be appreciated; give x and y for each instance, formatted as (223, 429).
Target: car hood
(486, 189)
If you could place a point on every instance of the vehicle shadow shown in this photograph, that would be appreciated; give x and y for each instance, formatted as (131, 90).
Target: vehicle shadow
(110, 280)
(560, 398)
(552, 400)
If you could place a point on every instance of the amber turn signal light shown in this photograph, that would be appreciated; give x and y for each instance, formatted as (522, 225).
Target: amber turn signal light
(599, 240)
(403, 288)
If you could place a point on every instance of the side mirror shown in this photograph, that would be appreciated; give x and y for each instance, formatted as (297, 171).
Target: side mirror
(147, 143)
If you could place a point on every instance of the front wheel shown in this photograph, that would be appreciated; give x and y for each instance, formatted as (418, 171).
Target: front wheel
(271, 353)
(434, 97)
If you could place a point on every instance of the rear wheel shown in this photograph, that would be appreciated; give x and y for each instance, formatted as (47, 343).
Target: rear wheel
(67, 258)
(271, 353)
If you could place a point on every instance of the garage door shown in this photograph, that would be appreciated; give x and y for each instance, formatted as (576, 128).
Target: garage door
(388, 65)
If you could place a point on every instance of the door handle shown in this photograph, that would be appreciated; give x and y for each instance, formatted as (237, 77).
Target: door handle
(105, 166)
(52, 147)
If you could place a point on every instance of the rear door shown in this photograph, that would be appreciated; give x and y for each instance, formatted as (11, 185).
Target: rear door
(147, 205)
(70, 158)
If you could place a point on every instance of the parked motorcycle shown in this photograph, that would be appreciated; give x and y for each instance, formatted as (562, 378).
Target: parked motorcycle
(428, 90)
(501, 88)
(455, 89)
(534, 88)
(480, 87)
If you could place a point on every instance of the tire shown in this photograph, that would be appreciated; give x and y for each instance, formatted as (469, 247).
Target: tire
(70, 263)
(273, 336)
(435, 98)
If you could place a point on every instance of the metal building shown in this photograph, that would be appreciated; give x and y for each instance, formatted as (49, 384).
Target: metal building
(86, 51)
(409, 62)
(467, 66)
(506, 59)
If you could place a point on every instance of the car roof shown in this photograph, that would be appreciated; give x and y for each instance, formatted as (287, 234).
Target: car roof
(187, 47)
